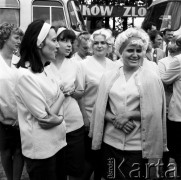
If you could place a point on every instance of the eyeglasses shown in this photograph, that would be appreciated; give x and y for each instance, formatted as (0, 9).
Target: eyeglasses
(100, 42)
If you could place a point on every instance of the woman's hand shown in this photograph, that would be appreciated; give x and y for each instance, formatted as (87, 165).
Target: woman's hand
(77, 94)
(128, 127)
(51, 120)
(125, 121)
(121, 120)
(69, 92)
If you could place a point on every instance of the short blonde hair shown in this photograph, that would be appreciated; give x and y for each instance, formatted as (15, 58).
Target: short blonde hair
(5, 32)
(123, 37)
(107, 33)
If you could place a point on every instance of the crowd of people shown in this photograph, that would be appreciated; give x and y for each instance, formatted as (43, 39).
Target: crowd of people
(75, 107)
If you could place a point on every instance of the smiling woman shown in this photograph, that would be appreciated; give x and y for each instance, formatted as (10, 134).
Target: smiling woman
(92, 69)
(134, 121)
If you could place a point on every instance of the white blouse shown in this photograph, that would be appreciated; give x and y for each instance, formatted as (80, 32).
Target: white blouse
(76, 57)
(66, 75)
(34, 93)
(8, 77)
(173, 76)
(123, 96)
(91, 73)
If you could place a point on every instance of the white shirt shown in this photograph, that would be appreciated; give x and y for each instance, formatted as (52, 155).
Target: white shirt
(91, 73)
(34, 93)
(165, 46)
(163, 65)
(123, 96)
(76, 57)
(173, 76)
(8, 77)
(67, 76)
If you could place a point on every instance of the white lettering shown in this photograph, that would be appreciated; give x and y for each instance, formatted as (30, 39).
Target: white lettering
(85, 10)
(134, 12)
(107, 10)
(95, 10)
(126, 13)
(142, 11)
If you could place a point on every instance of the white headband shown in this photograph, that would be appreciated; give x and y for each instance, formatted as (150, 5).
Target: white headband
(60, 30)
(43, 33)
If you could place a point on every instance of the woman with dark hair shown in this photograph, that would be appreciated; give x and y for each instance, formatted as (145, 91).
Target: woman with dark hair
(39, 101)
(65, 71)
(10, 144)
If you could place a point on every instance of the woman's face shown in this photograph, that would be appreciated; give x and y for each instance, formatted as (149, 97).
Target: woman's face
(132, 56)
(65, 47)
(100, 46)
(14, 41)
(50, 47)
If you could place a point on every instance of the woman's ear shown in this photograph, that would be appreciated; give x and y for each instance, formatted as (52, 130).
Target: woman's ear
(40, 46)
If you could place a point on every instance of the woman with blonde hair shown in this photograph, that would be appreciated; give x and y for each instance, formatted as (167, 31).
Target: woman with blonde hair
(92, 69)
(10, 144)
(135, 128)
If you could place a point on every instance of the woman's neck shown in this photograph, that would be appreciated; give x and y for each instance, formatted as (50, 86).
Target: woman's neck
(128, 71)
(100, 60)
(7, 55)
(59, 60)
(81, 55)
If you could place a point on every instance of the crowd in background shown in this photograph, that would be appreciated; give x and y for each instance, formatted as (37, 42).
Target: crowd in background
(82, 106)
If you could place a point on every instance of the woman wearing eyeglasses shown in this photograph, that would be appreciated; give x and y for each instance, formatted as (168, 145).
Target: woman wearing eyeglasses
(92, 69)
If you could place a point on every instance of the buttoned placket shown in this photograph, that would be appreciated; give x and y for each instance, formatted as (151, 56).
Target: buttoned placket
(143, 129)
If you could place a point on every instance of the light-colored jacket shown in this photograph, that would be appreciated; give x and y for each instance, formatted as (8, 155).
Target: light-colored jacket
(153, 111)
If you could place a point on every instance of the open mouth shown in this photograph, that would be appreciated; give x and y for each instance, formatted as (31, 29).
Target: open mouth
(68, 50)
